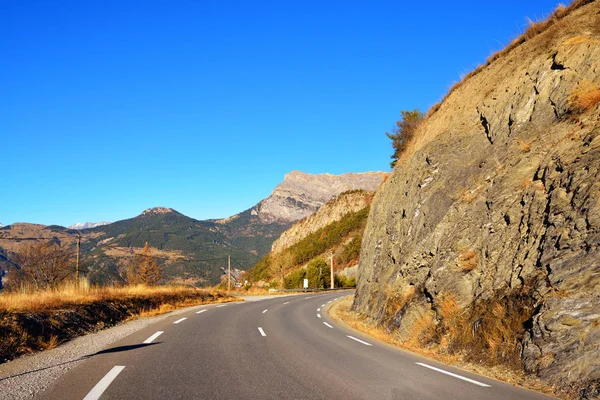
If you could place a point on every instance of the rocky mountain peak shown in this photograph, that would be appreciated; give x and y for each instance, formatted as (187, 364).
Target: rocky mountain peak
(301, 194)
(158, 211)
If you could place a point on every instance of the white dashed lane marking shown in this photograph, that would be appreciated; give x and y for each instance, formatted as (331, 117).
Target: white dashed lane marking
(359, 341)
(104, 383)
(179, 320)
(261, 331)
(200, 312)
(319, 315)
(151, 338)
(327, 325)
(265, 311)
(464, 378)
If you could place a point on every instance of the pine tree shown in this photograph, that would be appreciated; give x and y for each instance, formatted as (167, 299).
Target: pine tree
(144, 269)
(403, 132)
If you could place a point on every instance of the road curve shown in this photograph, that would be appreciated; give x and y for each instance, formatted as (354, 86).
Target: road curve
(278, 348)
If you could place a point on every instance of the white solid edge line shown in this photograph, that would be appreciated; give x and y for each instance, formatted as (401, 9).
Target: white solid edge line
(319, 315)
(222, 305)
(261, 331)
(104, 383)
(180, 320)
(464, 378)
(265, 311)
(360, 341)
(151, 338)
(327, 325)
(200, 312)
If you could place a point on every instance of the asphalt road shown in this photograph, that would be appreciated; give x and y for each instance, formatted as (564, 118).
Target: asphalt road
(277, 348)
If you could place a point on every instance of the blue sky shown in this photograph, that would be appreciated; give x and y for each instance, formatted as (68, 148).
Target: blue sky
(111, 107)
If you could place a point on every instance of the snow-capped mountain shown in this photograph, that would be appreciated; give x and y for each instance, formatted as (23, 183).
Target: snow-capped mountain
(87, 225)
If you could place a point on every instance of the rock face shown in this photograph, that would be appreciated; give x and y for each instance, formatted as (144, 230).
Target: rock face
(492, 218)
(158, 211)
(332, 211)
(301, 194)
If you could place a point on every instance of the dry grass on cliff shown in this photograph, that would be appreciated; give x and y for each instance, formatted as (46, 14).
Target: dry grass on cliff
(585, 96)
(525, 145)
(398, 300)
(533, 30)
(467, 260)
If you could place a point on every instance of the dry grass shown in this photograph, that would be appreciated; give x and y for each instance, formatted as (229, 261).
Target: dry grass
(453, 319)
(31, 300)
(467, 260)
(534, 29)
(579, 39)
(396, 301)
(421, 330)
(525, 184)
(584, 97)
(468, 195)
(525, 145)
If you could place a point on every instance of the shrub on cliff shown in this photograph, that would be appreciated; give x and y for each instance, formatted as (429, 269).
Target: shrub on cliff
(403, 132)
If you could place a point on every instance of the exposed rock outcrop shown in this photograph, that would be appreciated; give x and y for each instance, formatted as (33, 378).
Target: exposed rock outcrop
(490, 224)
(334, 210)
(301, 194)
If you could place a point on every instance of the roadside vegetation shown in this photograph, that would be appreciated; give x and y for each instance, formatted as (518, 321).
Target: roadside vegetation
(288, 268)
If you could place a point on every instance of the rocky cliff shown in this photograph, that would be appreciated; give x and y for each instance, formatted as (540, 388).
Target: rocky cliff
(301, 194)
(485, 239)
(333, 210)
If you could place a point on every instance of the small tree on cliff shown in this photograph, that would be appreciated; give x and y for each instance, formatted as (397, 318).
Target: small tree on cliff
(403, 132)
(144, 269)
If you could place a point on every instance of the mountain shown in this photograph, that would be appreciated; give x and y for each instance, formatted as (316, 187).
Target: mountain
(301, 194)
(484, 242)
(336, 227)
(87, 225)
(192, 251)
(334, 210)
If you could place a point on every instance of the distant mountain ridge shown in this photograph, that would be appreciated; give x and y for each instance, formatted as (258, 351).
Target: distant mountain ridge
(191, 251)
(87, 225)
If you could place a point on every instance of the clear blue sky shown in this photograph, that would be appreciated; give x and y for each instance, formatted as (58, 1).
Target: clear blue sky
(111, 107)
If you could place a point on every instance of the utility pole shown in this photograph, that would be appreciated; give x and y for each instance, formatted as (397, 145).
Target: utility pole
(332, 283)
(77, 263)
(228, 273)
